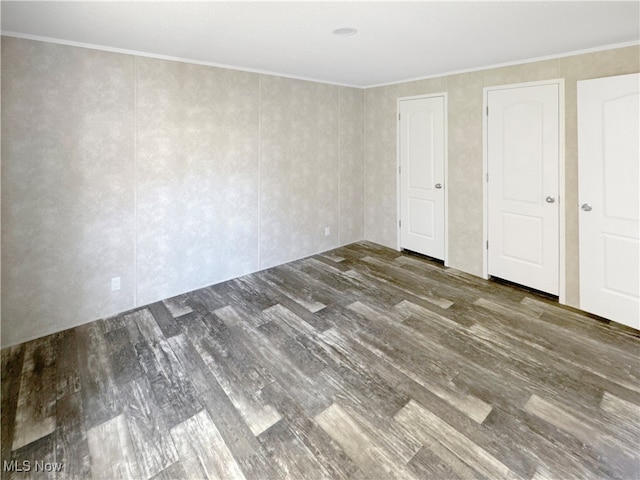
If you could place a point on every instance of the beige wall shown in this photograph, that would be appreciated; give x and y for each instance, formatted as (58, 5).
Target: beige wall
(68, 225)
(465, 93)
(169, 175)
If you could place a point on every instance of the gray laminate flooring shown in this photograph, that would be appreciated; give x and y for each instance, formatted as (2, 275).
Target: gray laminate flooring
(359, 363)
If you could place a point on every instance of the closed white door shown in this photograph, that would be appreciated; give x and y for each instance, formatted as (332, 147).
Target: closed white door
(422, 153)
(522, 162)
(609, 181)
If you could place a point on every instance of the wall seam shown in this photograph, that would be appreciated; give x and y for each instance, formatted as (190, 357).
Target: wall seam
(364, 165)
(362, 160)
(259, 171)
(135, 181)
(339, 168)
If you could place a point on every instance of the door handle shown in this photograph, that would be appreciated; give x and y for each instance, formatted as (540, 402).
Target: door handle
(550, 199)
(586, 207)
(438, 185)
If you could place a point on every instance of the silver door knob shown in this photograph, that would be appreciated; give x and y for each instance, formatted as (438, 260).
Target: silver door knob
(550, 199)
(586, 207)
(438, 185)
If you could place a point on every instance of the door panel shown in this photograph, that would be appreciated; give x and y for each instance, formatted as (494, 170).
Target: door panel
(522, 138)
(609, 185)
(421, 218)
(523, 158)
(522, 238)
(618, 251)
(421, 168)
(620, 157)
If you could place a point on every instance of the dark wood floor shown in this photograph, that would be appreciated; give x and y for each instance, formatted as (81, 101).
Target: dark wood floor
(359, 363)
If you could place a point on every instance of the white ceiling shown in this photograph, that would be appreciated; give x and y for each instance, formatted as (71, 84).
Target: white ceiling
(397, 41)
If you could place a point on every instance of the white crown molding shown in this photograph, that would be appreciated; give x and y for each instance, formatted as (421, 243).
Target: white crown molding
(510, 64)
(138, 53)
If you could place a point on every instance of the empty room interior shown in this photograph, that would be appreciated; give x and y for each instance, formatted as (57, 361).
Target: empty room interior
(333, 240)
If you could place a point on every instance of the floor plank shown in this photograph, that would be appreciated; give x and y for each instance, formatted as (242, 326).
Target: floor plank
(71, 444)
(35, 413)
(111, 449)
(203, 453)
(155, 450)
(98, 386)
(428, 426)
(12, 359)
(363, 449)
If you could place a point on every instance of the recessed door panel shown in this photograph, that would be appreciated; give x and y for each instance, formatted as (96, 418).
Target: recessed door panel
(618, 252)
(421, 218)
(609, 197)
(522, 239)
(421, 149)
(521, 180)
(523, 158)
(620, 157)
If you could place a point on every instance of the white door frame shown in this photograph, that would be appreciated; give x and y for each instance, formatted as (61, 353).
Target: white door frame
(561, 178)
(446, 177)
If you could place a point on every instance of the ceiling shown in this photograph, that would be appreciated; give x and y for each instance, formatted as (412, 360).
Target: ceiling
(396, 41)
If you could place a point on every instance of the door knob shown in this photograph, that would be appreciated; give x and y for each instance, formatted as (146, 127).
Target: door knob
(438, 185)
(550, 199)
(586, 207)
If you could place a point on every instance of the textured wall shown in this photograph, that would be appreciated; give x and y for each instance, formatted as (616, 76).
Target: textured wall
(68, 191)
(198, 183)
(299, 184)
(351, 165)
(169, 175)
(465, 93)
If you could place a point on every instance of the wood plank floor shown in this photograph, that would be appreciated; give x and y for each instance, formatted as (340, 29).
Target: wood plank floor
(359, 363)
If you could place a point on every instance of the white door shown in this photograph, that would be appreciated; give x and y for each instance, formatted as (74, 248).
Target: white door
(522, 189)
(609, 180)
(422, 152)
